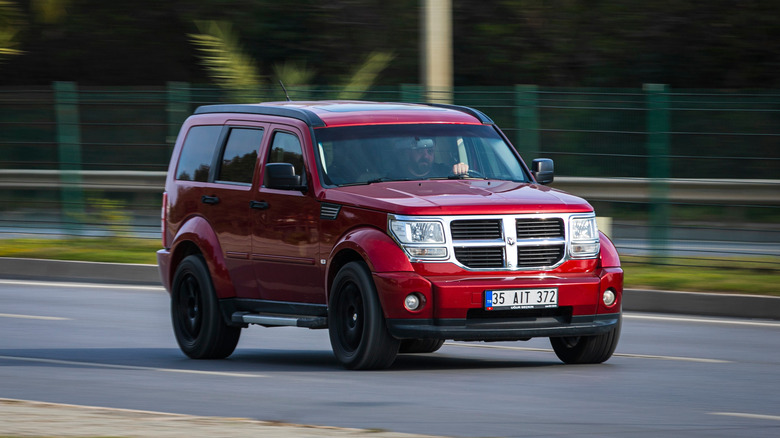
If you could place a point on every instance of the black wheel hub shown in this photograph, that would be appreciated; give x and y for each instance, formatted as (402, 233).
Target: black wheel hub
(190, 306)
(351, 320)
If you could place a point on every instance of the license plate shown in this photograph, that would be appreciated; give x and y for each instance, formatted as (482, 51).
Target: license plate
(521, 299)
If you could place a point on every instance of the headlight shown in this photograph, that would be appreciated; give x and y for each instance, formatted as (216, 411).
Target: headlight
(584, 237)
(420, 239)
(417, 232)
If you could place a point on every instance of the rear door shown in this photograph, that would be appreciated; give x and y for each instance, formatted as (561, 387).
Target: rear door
(225, 201)
(285, 250)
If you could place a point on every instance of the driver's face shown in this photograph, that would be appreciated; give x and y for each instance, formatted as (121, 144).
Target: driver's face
(420, 161)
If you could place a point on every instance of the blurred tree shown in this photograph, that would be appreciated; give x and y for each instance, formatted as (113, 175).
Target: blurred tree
(225, 60)
(293, 74)
(684, 43)
(365, 75)
(49, 11)
(618, 43)
(10, 23)
(232, 69)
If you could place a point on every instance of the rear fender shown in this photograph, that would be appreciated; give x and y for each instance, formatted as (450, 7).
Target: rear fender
(197, 231)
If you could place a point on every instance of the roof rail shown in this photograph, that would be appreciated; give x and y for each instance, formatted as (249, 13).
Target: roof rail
(304, 115)
(482, 117)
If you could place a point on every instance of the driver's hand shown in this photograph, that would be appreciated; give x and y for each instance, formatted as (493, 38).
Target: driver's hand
(460, 169)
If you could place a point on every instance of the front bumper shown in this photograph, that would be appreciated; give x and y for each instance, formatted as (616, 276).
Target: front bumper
(507, 329)
(454, 305)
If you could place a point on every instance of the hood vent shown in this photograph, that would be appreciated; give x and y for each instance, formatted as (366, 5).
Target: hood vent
(329, 211)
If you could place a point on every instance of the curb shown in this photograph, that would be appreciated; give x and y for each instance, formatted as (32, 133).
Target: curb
(702, 303)
(651, 301)
(84, 272)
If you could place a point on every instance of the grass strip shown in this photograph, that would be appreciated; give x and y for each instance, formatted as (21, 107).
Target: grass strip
(99, 249)
(746, 276)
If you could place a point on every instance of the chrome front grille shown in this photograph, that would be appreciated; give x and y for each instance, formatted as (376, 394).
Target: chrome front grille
(509, 242)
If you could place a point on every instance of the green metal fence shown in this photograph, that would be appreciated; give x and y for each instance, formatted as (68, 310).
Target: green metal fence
(655, 133)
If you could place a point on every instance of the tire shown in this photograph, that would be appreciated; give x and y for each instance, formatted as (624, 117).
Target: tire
(420, 345)
(356, 323)
(197, 321)
(587, 349)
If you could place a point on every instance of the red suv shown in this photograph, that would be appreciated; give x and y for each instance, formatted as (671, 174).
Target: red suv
(394, 226)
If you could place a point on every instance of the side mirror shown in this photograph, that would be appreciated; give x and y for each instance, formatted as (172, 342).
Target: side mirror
(543, 170)
(282, 176)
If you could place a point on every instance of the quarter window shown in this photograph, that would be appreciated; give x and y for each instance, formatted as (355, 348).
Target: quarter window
(286, 148)
(198, 153)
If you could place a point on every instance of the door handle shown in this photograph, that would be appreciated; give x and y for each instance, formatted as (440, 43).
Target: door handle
(259, 205)
(211, 200)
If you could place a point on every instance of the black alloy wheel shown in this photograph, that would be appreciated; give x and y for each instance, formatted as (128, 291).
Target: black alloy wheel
(356, 323)
(197, 321)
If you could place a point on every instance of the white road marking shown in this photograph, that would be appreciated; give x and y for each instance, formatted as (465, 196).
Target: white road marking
(628, 355)
(744, 415)
(128, 367)
(677, 358)
(703, 320)
(81, 285)
(45, 318)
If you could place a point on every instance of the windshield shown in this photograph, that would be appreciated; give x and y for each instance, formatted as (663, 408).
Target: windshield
(373, 153)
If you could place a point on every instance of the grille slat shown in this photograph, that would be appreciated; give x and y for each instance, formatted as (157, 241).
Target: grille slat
(490, 257)
(539, 256)
(539, 228)
(476, 229)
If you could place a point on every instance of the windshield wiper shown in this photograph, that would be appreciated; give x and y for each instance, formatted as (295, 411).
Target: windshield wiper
(371, 181)
(386, 179)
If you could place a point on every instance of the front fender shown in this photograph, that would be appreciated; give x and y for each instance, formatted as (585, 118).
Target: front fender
(377, 249)
(197, 231)
(608, 257)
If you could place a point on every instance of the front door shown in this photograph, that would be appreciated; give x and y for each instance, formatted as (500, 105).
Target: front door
(285, 250)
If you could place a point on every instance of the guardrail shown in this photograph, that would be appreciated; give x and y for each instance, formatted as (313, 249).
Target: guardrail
(705, 191)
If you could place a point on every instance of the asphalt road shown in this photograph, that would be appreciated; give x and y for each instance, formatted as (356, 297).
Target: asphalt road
(113, 346)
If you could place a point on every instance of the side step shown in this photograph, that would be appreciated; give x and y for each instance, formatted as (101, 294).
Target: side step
(275, 320)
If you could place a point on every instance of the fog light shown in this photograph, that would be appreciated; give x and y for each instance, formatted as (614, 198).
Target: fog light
(412, 302)
(609, 297)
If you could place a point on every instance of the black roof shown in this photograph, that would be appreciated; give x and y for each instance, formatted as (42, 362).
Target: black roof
(309, 117)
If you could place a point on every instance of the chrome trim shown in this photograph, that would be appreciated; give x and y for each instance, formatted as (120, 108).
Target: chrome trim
(510, 243)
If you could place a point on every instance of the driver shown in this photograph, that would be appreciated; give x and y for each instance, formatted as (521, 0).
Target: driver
(417, 160)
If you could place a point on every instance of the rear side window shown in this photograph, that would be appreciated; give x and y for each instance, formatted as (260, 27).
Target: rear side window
(197, 153)
(238, 161)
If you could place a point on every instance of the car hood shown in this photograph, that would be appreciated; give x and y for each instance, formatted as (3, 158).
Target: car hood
(462, 197)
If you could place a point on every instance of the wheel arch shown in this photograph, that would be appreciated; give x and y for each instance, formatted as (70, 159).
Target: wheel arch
(369, 245)
(197, 237)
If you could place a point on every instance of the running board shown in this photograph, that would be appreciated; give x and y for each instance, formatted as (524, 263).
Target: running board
(275, 320)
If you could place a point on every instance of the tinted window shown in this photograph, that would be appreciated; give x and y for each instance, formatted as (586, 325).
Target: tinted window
(286, 148)
(198, 153)
(238, 160)
(359, 154)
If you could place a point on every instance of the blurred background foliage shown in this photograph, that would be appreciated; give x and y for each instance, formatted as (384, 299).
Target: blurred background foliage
(572, 43)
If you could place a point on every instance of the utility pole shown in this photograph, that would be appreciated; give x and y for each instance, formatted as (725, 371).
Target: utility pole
(436, 50)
